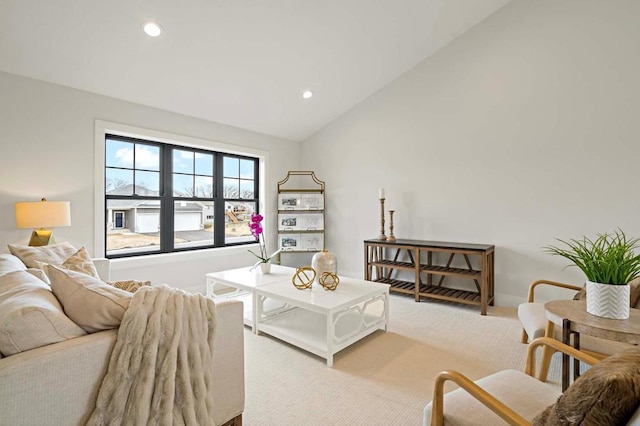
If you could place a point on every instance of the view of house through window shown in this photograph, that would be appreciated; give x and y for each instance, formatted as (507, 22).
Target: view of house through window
(161, 198)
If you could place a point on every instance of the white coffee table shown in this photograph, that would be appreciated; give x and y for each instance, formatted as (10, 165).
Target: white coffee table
(319, 321)
(241, 284)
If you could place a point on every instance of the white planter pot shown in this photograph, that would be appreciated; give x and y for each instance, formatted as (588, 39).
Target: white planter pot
(608, 301)
(265, 267)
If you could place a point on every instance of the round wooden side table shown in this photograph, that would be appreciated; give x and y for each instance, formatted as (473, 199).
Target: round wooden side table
(572, 315)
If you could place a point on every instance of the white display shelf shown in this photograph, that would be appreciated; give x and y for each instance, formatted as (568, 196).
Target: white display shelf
(301, 219)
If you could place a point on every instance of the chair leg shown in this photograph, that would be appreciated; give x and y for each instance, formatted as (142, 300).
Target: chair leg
(547, 353)
(525, 337)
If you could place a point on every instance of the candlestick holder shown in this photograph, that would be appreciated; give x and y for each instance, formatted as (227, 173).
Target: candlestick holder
(391, 236)
(382, 236)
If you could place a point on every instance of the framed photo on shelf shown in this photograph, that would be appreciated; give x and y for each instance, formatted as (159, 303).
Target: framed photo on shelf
(288, 201)
(289, 242)
(312, 242)
(289, 222)
(312, 222)
(311, 202)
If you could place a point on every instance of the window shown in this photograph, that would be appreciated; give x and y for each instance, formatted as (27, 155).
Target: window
(162, 198)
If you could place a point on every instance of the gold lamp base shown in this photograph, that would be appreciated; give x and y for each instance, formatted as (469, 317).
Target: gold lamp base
(41, 237)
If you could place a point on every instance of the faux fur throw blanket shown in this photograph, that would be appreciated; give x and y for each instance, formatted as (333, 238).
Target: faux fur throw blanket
(160, 371)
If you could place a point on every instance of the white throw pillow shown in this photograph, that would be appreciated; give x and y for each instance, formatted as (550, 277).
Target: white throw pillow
(89, 302)
(10, 263)
(53, 253)
(30, 315)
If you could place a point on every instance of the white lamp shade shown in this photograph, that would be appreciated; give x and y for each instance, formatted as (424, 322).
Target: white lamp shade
(43, 214)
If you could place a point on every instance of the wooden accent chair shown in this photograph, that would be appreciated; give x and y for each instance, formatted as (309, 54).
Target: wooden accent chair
(610, 390)
(535, 324)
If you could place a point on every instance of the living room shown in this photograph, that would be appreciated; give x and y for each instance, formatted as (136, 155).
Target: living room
(518, 131)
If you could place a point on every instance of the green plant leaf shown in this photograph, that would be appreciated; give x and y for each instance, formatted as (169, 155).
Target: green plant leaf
(608, 259)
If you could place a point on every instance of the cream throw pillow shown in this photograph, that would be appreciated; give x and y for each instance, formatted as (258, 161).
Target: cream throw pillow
(30, 315)
(39, 274)
(89, 302)
(80, 261)
(53, 253)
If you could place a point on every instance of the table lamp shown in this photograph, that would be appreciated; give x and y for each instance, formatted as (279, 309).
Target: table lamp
(42, 214)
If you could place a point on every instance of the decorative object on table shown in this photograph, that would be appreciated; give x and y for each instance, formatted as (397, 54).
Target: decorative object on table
(329, 281)
(256, 230)
(391, 236)
(322, 262)
(610, 263)
(382, 236)
(301, 279)
(42, 214)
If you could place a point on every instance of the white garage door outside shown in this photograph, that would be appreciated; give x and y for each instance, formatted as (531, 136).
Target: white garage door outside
(187, 221)
(148, 222)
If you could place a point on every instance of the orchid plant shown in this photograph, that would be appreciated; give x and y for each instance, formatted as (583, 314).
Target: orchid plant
(257, 231)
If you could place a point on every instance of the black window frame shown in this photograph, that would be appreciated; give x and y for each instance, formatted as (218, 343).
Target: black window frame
(168, 199)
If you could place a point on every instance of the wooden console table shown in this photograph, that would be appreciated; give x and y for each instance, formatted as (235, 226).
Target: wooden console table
(382, 259)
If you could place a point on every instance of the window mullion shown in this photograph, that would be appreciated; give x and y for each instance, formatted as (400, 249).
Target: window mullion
(256, 184)
(218, 202)
(166, 201)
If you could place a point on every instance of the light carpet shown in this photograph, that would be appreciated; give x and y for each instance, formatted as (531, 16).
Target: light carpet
(386, 378)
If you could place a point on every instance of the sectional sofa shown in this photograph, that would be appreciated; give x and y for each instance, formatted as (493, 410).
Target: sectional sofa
(51, 369)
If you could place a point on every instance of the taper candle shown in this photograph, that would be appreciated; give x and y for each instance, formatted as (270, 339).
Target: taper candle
(381, 193)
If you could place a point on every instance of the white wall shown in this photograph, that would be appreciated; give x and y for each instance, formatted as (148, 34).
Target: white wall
(523, 130)
(47, 150)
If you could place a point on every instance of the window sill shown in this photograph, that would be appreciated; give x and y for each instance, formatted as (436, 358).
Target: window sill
(164, 258)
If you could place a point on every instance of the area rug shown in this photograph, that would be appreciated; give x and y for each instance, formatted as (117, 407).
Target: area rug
(387, 378)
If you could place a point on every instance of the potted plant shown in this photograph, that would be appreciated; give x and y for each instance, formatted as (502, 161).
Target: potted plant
(610, 263)
(256, 230)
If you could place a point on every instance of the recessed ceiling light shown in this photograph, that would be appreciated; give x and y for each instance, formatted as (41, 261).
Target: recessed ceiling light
(152, 29)
(307, 94)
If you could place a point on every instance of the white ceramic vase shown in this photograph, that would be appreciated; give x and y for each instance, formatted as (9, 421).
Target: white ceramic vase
(324, 261)
(265, 267)
(607, 300)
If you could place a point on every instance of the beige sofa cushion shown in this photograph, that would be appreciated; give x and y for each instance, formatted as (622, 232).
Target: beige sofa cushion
(30, 315)
(53, 253)
(80, 261)
(91, 303)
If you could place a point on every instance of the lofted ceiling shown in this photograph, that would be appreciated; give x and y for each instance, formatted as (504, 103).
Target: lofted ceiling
(243, 63)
